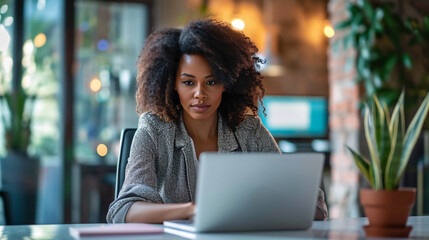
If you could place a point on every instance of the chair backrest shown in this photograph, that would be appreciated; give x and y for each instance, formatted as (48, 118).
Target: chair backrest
(127, 136)
(5, 199)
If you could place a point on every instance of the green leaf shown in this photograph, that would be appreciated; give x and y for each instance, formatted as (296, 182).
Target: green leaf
(368, 10)
(406, 60)
(388, 67)
(362, 164)
(396, 127)
(411, 136)
(375, 170)
(386, 113)
(343, 24)
(397, 110)
(425, 26)
(382, 133)
(379, 14)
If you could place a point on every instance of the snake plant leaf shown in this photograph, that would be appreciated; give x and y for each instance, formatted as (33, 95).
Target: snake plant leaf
(386, 114)
(363, 165)
(396, 127)
(375, 171)
(397, 113)
(411, 136)
(382, 133)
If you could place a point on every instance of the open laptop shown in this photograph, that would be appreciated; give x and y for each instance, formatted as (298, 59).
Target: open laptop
(254, 192)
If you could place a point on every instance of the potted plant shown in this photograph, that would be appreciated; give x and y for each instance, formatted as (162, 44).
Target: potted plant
(19, 170)
(391, 50)
(386, 205)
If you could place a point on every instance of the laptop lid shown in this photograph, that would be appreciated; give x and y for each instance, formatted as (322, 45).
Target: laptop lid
(256, 191)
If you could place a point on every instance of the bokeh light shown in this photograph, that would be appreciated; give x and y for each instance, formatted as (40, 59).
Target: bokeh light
(238, 24)
(28, 47)
(102, 150)
(3, 9)
(329, 31)
(103, 45)
(8, 21)
(95, 85)
(4, 38)
(40, 40)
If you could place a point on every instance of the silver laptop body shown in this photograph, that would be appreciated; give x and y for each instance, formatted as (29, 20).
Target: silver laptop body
(255, 191)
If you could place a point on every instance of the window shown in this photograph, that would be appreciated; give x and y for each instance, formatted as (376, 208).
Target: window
(108, 40)
(6, 63)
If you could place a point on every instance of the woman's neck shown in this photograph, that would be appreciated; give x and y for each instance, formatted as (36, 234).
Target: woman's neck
(201, 130)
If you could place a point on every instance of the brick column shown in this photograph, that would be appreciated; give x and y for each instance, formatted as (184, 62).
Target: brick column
(343, 120)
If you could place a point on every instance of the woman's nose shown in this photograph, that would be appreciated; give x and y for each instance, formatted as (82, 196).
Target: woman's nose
(200, 92)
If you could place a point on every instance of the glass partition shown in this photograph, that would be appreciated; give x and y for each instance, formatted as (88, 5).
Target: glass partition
(6, 62)
(41, 80)
(41, 75)
(108, 40)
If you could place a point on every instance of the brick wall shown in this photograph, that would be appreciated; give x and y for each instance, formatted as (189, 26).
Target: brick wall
(344, 121)
(301, 47)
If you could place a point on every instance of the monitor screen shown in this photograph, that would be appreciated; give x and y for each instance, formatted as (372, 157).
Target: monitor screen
(295, 117)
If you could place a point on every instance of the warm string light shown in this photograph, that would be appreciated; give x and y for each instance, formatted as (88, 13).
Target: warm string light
(40, 40)
(328, 30)
(95, 85)
(238, 24)
(102, 150)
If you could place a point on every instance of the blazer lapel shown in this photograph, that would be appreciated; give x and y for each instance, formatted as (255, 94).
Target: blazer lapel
(226, 140)
(183, 141)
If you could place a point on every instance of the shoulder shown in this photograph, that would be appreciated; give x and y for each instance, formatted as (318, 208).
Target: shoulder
(255, 135)
(250, 123)
(148, 119)
(152, 123)
(152, 128)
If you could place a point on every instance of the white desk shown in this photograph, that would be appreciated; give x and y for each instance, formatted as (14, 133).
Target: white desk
(333, 229)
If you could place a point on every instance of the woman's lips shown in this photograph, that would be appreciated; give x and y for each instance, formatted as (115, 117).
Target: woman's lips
(200, 107)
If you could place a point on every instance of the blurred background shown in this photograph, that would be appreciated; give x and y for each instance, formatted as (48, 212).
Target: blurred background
(67, 88)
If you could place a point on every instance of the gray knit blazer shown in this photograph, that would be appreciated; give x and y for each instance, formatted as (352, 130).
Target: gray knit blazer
(162, 167)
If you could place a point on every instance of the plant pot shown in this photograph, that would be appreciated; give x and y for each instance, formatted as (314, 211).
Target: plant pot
(387, 211)
(20, 180)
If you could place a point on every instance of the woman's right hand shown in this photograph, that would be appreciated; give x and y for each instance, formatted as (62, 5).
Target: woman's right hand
(144, 212)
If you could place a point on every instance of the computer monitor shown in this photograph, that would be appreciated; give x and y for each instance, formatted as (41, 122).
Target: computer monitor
(295, 117)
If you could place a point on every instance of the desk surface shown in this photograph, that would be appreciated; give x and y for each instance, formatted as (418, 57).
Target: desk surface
(350, 228)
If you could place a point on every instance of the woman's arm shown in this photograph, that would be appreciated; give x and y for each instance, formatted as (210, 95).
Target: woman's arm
(144, 212)
(140, 183)
(321, 208)
(264, 139)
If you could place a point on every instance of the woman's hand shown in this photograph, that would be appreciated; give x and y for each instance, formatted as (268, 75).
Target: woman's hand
(144, 212)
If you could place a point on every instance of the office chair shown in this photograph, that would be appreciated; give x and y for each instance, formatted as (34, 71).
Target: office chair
(127, 136)
(4, 197)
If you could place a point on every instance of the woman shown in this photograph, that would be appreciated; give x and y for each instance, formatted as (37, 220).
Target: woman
(198, 90)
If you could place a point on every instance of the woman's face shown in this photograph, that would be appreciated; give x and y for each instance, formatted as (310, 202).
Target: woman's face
(199, 92)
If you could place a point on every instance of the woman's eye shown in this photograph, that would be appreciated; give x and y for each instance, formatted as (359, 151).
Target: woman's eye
(188, 83)
(211, 83)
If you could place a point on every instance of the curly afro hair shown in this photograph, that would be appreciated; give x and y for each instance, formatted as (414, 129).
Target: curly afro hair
(231, 55)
